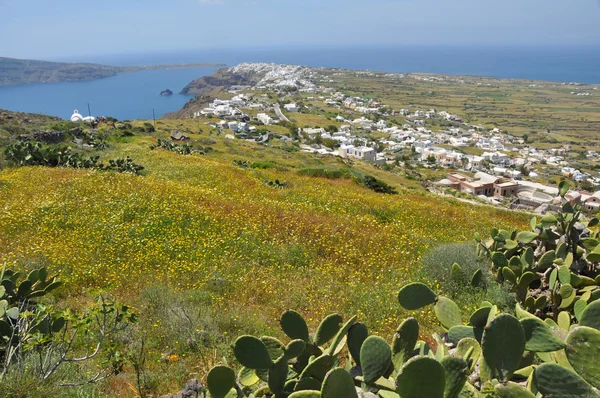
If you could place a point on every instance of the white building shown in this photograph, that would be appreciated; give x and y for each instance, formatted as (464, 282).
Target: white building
(291, 107)
(264, 118)
(363, 153)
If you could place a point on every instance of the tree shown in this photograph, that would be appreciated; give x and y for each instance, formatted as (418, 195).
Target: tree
(465, 162)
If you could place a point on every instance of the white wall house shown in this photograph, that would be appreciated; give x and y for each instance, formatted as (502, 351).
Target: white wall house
(291, 107)
(363, 153)
(264, 118)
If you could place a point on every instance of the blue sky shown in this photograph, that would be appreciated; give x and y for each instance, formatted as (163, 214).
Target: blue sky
(46, 29)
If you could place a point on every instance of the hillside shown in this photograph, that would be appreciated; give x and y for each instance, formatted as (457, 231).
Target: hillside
(20, 71)
(209, 235)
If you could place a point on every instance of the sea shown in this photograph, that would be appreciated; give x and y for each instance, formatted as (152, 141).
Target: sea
(136, 95)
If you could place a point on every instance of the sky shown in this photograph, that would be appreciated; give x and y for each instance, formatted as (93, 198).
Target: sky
(43, 29)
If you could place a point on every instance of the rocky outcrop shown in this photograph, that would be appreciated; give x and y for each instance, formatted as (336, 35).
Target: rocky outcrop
(177, 135)
(166, 92)
(222, 78)
(45, 136)
(195, 104)
(192, 389)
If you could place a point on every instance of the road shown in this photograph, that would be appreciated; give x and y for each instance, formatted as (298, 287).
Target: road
(280, 115)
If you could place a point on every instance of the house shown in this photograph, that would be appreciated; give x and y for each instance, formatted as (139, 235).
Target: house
(315, 131)
(233, 126)
(506, 189)
(291, 107)
(264, 118)
(496, 158)
(592, 203)
(482, 184)
(363, 153)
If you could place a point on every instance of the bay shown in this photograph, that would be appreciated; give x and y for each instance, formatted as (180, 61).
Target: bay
(126, 96)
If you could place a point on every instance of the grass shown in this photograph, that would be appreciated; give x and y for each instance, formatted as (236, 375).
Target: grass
(205, 251)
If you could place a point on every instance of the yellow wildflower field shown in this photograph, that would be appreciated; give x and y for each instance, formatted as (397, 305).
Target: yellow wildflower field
(318, 246)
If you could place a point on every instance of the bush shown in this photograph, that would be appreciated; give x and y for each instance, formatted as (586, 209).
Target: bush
(332, 174)
(149, 128)
(437, 269)
(376, 184)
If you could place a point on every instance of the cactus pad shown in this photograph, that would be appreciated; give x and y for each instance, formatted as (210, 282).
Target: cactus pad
(476, 278)
(278, 374)
(552, 380)
(328, 329)
(318, 368)
(404, 341)
(274, 347)
(248, 377)
(295, 348)
(503, 344)
(457, 333)
(591, 315)
(583, 353)
(340, 338)
(456, 372)
(421, 377)
(512, 390)
(252, 353)
(447, 312)
(357, 334)
(306, 394)
(293, 325)
(220, 380)
(539, 336)
(375, 358)
(309, 383)
(416, 295)
(337, 384)
(467, 344)
(479, 317)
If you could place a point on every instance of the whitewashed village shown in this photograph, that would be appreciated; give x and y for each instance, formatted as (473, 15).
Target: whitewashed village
(506, 171)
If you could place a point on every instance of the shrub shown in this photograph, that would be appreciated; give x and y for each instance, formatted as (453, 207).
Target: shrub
(332, 174)
(437, 268)
(376, 184)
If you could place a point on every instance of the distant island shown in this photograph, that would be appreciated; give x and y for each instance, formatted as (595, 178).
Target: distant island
(166, 92)
(21, 71)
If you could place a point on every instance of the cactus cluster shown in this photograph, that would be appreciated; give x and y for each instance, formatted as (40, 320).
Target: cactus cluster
(18, 291)
(553, 267)
(36, 154)
(494, 355)
(182, 149)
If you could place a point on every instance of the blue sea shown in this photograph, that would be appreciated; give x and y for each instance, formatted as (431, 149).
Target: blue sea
(135, 95)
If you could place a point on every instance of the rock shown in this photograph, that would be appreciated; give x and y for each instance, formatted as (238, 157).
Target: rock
(45, 136)
(363, 394)
(177, 135)
(192, 389)
(166, 92)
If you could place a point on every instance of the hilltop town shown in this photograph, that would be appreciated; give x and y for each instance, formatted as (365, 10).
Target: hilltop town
(317, 111)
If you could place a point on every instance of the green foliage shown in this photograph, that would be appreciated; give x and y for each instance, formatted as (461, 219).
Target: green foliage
(36, 154)
(553, 267)
(410, 368)
(375, 184)
(332, 174)
(182, 149)
(39, 339)
(415, 296)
